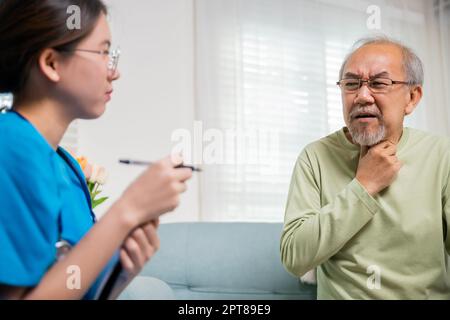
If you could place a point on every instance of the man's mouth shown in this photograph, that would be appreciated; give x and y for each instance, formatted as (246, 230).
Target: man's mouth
(367, 113)
(365, 116)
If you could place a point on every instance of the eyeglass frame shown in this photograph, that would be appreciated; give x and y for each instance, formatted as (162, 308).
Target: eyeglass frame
(114, 56)
(369, 81)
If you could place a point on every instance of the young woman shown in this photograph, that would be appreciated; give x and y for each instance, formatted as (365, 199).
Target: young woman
(57, 75)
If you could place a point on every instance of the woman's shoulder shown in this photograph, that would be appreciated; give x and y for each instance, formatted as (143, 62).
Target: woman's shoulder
(14, 127)
(19, 140)
(26, 162)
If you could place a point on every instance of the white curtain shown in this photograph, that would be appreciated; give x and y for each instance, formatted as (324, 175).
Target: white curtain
(436, 51)
(266, 71)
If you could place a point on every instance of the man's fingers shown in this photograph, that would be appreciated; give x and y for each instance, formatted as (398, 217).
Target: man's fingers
(390, 150)
(363, 152)
(382, 145)
(387, 143)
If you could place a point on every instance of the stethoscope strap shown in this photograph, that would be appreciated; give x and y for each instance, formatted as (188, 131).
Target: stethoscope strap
(63, 246)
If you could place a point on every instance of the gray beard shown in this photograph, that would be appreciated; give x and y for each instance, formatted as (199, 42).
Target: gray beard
(363, 138)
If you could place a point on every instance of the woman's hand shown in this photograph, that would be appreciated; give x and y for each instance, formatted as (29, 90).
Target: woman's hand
(155, 192)
(139, 247)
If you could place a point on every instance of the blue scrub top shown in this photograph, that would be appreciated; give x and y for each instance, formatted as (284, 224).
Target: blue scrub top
(43, 197)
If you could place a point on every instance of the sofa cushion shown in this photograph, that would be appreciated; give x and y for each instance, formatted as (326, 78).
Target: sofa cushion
(147, 288)
(217, 260)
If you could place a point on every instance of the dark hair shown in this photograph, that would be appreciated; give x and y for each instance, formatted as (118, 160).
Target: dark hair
(29, 26)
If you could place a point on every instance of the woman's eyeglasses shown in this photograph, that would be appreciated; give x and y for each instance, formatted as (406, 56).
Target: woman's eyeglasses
(112, 54)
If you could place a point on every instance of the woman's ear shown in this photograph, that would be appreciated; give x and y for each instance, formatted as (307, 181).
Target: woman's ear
(415, 96)
(48, 64)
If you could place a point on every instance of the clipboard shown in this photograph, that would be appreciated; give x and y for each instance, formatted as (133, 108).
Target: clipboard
(111, 282)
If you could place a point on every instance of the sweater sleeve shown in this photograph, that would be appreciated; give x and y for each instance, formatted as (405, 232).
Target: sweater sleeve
(312, 234)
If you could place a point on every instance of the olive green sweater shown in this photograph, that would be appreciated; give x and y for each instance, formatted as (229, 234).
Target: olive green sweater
(391, 246)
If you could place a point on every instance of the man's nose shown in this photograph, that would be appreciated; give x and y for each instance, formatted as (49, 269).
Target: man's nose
(364, 95)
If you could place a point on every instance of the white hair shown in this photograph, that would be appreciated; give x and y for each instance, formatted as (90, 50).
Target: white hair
(412, 65)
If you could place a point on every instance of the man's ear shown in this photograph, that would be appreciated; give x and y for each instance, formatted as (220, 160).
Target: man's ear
(415, 96)
(48, 64)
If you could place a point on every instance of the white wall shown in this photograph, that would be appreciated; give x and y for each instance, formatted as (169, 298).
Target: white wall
(154, 96)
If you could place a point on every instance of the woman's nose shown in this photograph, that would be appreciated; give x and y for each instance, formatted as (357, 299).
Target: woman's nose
(113, 76)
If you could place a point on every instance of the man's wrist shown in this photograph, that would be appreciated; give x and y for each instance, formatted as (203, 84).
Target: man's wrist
(367, 186)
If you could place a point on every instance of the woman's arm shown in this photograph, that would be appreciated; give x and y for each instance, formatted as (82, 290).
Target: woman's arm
(86, 260)
(153, 193)
(136, 251)
(89, 256)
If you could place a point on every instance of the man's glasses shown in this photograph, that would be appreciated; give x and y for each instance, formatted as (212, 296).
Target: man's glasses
(113, 56)
(376, 85)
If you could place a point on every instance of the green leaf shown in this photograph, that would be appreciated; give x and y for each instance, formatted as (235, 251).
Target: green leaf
(98, 202)
(94, 194)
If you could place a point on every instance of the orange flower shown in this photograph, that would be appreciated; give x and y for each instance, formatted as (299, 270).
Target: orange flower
(82, 161)
(85, 167)
(95, 176)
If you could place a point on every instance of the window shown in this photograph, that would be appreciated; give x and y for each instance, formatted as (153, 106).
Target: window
(271, 66)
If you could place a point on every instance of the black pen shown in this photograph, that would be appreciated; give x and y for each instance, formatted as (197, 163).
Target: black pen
(147, 163)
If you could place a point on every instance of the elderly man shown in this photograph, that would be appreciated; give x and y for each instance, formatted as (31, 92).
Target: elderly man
(369, 205)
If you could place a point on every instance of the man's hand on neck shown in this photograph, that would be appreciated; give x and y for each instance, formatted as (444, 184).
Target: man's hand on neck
(378, 166)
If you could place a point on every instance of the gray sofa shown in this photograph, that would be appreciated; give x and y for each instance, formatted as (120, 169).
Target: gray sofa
(205, 260)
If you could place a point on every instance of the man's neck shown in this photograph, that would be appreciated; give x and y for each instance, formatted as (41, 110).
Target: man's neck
(393, 138)
(48, 118)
